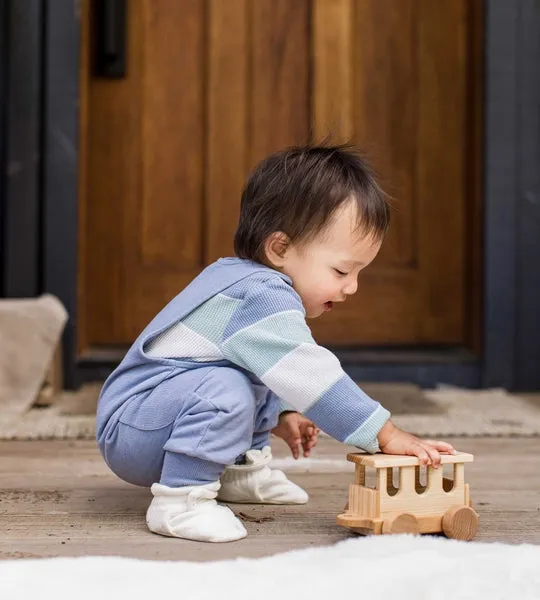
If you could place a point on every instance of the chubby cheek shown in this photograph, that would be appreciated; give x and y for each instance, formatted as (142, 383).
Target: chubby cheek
(316, 297)
(329, 289)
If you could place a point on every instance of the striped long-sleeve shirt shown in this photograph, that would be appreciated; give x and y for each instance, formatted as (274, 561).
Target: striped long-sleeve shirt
(258, 324)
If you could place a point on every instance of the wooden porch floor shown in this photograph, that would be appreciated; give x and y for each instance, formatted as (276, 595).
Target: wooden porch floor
(59, 499)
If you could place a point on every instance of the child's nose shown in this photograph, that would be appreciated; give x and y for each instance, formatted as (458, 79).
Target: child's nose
(350, 287)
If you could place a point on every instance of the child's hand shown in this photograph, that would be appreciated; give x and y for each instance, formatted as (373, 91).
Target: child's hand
(393, 440)
(296, 430)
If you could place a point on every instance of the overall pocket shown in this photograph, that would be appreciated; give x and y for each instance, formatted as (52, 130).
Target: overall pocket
(155, 409)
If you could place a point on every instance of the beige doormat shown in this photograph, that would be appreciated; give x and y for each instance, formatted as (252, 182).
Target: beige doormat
(473, 413)
(70, 417)
(443, 412)
(29, 332)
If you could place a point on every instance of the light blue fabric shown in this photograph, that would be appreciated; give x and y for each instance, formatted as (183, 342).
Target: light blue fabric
(190, 428)
(255, 322)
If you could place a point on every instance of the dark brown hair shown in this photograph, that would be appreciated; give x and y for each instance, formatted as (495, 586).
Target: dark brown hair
(298, 189)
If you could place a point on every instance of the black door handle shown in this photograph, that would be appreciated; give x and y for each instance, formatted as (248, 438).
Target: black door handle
(110, 38)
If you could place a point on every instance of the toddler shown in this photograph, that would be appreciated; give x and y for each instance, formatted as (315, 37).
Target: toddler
(190, 409)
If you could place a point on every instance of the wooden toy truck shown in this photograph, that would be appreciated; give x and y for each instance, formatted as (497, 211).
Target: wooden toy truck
(441, 505)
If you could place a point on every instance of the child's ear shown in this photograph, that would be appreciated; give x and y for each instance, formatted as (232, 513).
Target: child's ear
(275, 248)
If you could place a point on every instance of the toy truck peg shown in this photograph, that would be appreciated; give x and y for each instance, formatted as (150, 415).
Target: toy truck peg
(441, 505)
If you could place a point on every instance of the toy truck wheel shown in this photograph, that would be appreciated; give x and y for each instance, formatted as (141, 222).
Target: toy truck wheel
(460, 523)
(401, 523)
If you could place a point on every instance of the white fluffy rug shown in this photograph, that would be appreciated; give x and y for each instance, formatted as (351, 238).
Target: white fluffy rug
(378, 568)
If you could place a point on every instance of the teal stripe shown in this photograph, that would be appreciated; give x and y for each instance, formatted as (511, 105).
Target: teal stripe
(259, 347)
(212, 317)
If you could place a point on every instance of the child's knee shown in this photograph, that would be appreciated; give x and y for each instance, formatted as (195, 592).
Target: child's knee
(230, 392)
(220, 424)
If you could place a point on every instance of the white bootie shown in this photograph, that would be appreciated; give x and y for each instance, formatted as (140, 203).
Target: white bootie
(191, 512)
(255, 483)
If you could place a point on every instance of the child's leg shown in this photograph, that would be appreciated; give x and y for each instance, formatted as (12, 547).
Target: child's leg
(178, 441)
(213, 432)
(185, 432)
(266, 416)
(251, 480)
(204, 439)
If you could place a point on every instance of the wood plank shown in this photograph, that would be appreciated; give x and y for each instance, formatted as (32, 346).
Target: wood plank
(144, 201)
(360, 474)
(383, 123)
(279, 109)
(386, 114)
(380, 461)
(171, 86)
(113, 188)
(363, 501)
(333, 70)
(443, 152)
(227, 135)
(47, 500)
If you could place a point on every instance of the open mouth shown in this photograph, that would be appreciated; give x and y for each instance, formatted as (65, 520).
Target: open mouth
(328, 305)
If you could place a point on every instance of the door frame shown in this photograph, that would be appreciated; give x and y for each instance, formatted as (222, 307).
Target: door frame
(510, 207)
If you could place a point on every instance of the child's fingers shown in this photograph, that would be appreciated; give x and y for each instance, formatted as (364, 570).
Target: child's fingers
(442, 446)
(312, 431)
(419, 451)
(308, 444)
(294, 444)
(434, 456)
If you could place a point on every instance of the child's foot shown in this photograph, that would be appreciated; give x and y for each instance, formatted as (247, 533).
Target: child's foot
(191, 512)
(255, 483)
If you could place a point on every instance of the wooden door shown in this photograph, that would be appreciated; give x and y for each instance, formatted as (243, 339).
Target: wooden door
(213, 86)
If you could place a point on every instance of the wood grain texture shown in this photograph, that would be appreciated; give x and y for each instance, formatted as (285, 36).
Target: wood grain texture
(387, 113)
(48, 499)
(388, 460)
(113, 175)
(279, 76)
(143, 202)
(413, 72)
(443, 153)
(211, 90)
(227, 123)
(402, 523)
(333, 70)
(460, 523)
(172, 84)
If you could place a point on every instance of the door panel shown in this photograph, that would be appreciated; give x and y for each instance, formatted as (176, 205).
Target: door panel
(408, 80)
(213, 87)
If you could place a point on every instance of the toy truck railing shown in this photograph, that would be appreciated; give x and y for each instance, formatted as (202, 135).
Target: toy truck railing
(439, 493)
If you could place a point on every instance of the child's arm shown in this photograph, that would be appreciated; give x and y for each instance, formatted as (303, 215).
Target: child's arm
(268, 336)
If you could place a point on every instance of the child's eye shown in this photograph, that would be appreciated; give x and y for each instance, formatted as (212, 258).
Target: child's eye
(340, 272)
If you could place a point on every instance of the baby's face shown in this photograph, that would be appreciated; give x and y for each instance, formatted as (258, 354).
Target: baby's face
(326, 269)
